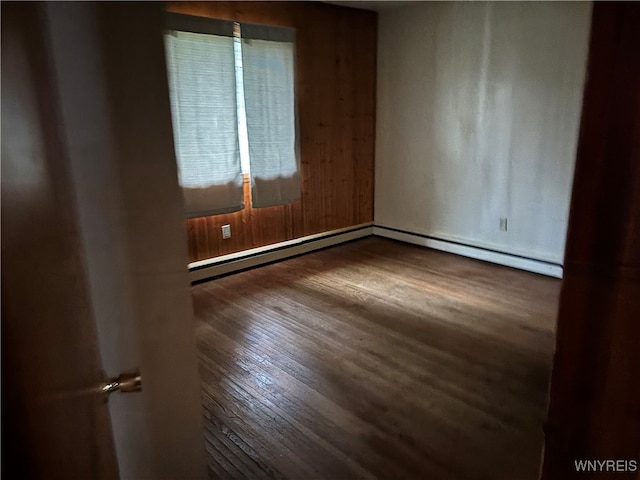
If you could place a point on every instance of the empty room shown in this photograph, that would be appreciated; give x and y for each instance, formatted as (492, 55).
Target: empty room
(320, 240)
(450, 126)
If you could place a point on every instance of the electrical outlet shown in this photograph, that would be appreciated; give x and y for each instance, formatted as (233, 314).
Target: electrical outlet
(503, 224)
(226, 231)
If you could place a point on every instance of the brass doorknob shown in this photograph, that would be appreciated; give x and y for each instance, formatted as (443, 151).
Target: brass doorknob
(125, 383)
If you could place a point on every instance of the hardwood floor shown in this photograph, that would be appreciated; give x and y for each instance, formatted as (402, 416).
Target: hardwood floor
(376, 359)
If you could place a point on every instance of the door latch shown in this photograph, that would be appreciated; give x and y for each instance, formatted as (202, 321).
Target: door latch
(125, 383)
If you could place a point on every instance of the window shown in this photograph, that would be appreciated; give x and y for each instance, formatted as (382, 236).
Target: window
(232, 89)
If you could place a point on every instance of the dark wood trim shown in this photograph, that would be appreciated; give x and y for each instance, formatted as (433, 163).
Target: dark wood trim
(594, 410)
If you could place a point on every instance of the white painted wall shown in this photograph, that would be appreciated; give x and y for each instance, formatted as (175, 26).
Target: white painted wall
(477, 118)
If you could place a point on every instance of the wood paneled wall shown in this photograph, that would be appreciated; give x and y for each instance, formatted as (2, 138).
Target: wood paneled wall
(336, 76)
(594, 410)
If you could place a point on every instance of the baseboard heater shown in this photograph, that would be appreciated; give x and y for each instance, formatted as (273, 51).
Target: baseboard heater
(219, 266)
(234, 262)
(501, 258)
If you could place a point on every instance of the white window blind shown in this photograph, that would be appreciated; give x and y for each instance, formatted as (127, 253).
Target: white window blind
(211, 92)
(202, 84)
(268, 59)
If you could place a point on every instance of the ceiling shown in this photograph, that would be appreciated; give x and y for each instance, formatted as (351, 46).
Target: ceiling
(374, 5)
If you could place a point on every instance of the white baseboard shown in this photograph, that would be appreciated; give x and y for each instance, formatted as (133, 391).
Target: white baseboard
(528, 264)
(234, 262)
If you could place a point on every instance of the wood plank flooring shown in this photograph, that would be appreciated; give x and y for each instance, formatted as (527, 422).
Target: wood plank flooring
(376, 359)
